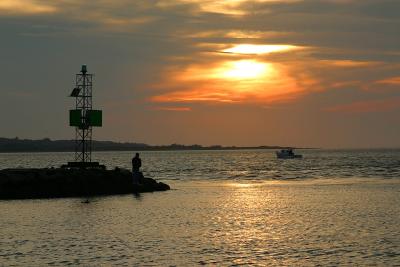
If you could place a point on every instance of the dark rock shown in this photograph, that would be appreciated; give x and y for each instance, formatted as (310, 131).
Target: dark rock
(64, 182)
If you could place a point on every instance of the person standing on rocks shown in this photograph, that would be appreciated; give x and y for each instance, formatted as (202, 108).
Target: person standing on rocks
(136, 164)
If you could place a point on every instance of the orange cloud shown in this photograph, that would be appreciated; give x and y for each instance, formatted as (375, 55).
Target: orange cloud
(234, 34)
(367, 106)
(390, 81)
(25, 7)
(234, 81)
(343, 84)
(259, 73)
(255, 49)
(173, 108)
(231, 7)
(387, 84)
(349, 63)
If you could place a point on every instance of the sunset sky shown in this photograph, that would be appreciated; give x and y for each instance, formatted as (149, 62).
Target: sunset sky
(302, 73)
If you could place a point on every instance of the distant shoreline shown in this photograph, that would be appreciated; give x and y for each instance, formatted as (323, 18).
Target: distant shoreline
(16, 145)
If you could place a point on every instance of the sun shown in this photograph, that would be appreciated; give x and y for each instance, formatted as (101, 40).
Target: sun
(244, 70)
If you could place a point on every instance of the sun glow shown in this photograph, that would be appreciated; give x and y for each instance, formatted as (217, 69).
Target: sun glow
(244, 69)
(251, 49)
(240, 81)
(231, 7)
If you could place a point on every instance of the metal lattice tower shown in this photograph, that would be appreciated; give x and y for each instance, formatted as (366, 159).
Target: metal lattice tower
(83, 117)
(83, 135)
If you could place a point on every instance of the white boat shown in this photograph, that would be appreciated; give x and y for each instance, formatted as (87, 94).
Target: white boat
(287, 154)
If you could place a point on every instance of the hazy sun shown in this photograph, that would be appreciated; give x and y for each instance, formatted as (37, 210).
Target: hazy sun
(234, 81)
(252, 49)
(244, 69)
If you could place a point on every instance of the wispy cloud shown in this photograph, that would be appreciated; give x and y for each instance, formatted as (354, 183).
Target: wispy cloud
(184, 109)
(390, 81)
(350, 63)
(367, 106)
(29, 7)
(231, 7)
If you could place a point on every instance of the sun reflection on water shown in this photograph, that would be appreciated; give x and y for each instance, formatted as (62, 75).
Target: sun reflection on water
(241, 185)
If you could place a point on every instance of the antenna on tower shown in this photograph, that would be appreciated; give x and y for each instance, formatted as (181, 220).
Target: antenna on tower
(84, 118)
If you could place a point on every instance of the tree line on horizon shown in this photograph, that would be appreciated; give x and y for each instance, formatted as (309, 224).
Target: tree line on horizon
(47, 145)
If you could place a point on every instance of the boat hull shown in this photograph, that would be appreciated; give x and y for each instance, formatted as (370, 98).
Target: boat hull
(280, 156)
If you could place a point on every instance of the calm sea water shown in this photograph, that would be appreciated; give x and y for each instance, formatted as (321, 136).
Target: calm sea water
(237, 165)
(226, 208)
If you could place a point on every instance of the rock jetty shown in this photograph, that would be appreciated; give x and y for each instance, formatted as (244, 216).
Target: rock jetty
(70, 182)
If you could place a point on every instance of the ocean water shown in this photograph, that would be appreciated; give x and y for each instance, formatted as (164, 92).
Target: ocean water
(226, 208)
(257, 165)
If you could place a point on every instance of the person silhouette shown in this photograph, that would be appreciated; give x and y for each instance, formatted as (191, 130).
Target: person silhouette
(136, 164)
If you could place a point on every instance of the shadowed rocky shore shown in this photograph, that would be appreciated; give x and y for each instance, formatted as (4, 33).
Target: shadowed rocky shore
(64, 182)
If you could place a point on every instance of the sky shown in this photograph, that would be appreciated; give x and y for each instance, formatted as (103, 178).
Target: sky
(305, 73)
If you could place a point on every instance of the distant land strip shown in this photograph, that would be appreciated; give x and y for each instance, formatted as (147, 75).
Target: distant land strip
(48, 145)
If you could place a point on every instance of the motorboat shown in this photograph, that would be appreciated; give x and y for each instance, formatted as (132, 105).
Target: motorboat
(287, 154)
